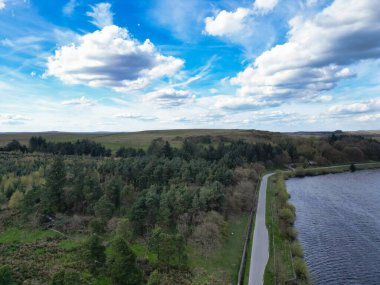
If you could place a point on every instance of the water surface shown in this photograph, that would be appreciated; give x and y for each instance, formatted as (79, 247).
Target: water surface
(338, 220)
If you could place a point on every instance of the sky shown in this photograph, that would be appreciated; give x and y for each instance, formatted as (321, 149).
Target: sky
(127, 65)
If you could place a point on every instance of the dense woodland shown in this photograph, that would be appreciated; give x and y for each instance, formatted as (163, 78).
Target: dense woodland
(138, 216)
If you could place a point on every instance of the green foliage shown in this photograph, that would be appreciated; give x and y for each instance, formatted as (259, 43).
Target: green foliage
(104, 208)
(154, 278)
(67, 278)
(121, 264)
(55, 182)
(170, 249)
(94, 253)
(296, 249)
(301, 269)
(96, 226)
(15, 202)
(5, 275)
(124, 229)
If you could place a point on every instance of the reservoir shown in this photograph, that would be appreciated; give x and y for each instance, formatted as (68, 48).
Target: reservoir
(338, 221)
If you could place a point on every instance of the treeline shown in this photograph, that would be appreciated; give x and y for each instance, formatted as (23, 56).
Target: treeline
(39, 144)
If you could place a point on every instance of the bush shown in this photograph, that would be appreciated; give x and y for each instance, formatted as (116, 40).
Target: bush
(67, 278)
(96, 226)
(15, 202)
(291, 233)
(287, 215)
(296, 249)
(5, 275)
(300, 172)
(301, 269)
(154, 278)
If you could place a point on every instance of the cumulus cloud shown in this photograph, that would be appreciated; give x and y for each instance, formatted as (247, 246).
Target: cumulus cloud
(169, 97)
(69, 8)
(356, 108)
(101, 15)
(111, 58)
(2, 4)
(135, 117)
(318, 52)
(12, 119)
(366, 118)
(265, 6)
(227, 23)
(82, 101)
(243, 103)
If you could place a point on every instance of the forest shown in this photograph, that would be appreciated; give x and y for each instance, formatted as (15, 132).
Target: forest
(77, 213)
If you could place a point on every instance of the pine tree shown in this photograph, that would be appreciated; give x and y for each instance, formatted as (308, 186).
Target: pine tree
(121, 264)
(94, 253)
(52, 197)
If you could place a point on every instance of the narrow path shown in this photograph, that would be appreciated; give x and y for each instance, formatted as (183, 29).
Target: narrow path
(260, 247)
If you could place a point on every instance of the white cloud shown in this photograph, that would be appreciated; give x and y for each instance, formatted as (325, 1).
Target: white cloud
(69, 8)
(111, 58)
(245, 26)
(356, 108)
(366, 118)
(226, 23)
(169, 97)
(318, 52)
(265, 6)
(12, 119)
(243, 103)
(2, 4)
(82, 101)
(101, 15)
(135, 117)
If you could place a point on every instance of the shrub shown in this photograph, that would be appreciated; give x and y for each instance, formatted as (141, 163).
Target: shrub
(296, 249)
(301, 269)
(5, 275)
(287, 215)
(15, 202)
(154, 278)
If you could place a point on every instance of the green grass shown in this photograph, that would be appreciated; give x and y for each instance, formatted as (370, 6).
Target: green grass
(141, 250)
(249, 252)
(16, 235)
(279, 251)
(224, 263)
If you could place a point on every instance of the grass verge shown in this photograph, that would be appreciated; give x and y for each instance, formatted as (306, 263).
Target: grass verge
(222, 266)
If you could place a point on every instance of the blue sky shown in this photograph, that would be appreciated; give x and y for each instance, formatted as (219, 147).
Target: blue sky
(279, 65)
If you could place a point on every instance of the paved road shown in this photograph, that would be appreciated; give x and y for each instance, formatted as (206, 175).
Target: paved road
(260, 248)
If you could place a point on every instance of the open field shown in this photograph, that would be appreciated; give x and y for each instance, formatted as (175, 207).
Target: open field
(141, 139)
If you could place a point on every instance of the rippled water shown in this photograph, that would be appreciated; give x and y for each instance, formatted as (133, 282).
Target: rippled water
(338, 220)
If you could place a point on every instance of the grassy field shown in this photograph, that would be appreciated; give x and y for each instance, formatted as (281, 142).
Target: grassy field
(221, 267)
(141, 139)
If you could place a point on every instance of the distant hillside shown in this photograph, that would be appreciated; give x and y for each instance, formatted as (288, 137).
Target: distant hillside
(175, 137)
(143, 139)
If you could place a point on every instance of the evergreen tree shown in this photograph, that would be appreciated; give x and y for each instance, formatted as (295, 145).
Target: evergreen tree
(52, 197)
(121, 264)
(94, 253)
